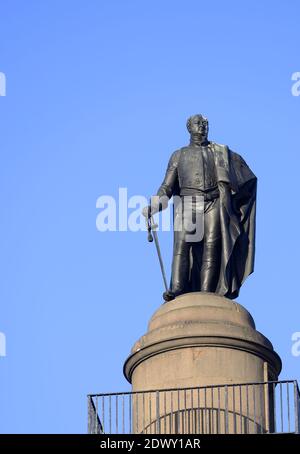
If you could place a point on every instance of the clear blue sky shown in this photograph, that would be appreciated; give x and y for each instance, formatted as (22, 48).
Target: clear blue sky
(98, 93)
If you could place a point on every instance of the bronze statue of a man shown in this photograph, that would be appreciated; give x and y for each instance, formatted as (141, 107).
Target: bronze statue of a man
(224, 256)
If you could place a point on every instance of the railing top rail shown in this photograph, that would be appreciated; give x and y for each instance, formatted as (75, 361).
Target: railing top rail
(197, 387)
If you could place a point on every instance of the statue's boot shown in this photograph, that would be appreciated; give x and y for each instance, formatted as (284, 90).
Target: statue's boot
(168, 296)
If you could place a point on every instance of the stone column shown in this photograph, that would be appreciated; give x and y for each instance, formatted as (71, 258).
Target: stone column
(202, 340)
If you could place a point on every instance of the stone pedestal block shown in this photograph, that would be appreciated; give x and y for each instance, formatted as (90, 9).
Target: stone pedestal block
(202, 341)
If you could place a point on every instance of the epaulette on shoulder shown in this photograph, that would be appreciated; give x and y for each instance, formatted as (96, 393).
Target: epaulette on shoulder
(219, 146)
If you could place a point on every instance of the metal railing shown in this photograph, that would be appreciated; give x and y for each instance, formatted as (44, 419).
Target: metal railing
(268, 407)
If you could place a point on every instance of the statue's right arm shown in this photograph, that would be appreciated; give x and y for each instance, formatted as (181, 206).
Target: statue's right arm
(170, 181)
(166, 189)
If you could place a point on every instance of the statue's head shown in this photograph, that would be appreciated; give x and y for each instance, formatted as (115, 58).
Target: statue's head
(198, 124)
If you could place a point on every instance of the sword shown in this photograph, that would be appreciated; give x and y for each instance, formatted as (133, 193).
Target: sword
(152, 233)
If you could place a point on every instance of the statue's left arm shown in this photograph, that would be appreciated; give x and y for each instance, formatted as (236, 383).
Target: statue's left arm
(245, 182)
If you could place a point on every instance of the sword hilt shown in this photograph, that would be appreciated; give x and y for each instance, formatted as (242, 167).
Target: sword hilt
(150, 237)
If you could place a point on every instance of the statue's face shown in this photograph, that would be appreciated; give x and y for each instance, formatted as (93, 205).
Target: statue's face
(198, 124)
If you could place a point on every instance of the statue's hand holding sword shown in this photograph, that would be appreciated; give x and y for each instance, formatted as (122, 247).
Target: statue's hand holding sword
(148, 212)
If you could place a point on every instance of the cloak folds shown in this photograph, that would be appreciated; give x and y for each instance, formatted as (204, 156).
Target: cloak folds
(237, 186)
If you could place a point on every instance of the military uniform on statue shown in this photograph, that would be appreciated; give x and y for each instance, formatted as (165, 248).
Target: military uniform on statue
(224, 257)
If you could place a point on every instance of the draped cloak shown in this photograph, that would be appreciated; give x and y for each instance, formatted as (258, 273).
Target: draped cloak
(237, 186)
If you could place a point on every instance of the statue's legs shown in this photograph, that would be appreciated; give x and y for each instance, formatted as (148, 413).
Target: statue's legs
(180, 264)
(210, 266)
(188, 224)
(206, 254)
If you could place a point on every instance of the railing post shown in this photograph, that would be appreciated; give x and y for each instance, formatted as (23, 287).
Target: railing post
(96, 427)
(157, 413)
(226, 409)
(274, 408)
(130, 414)
(89, 408)
(267, 407)
(296, 404)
